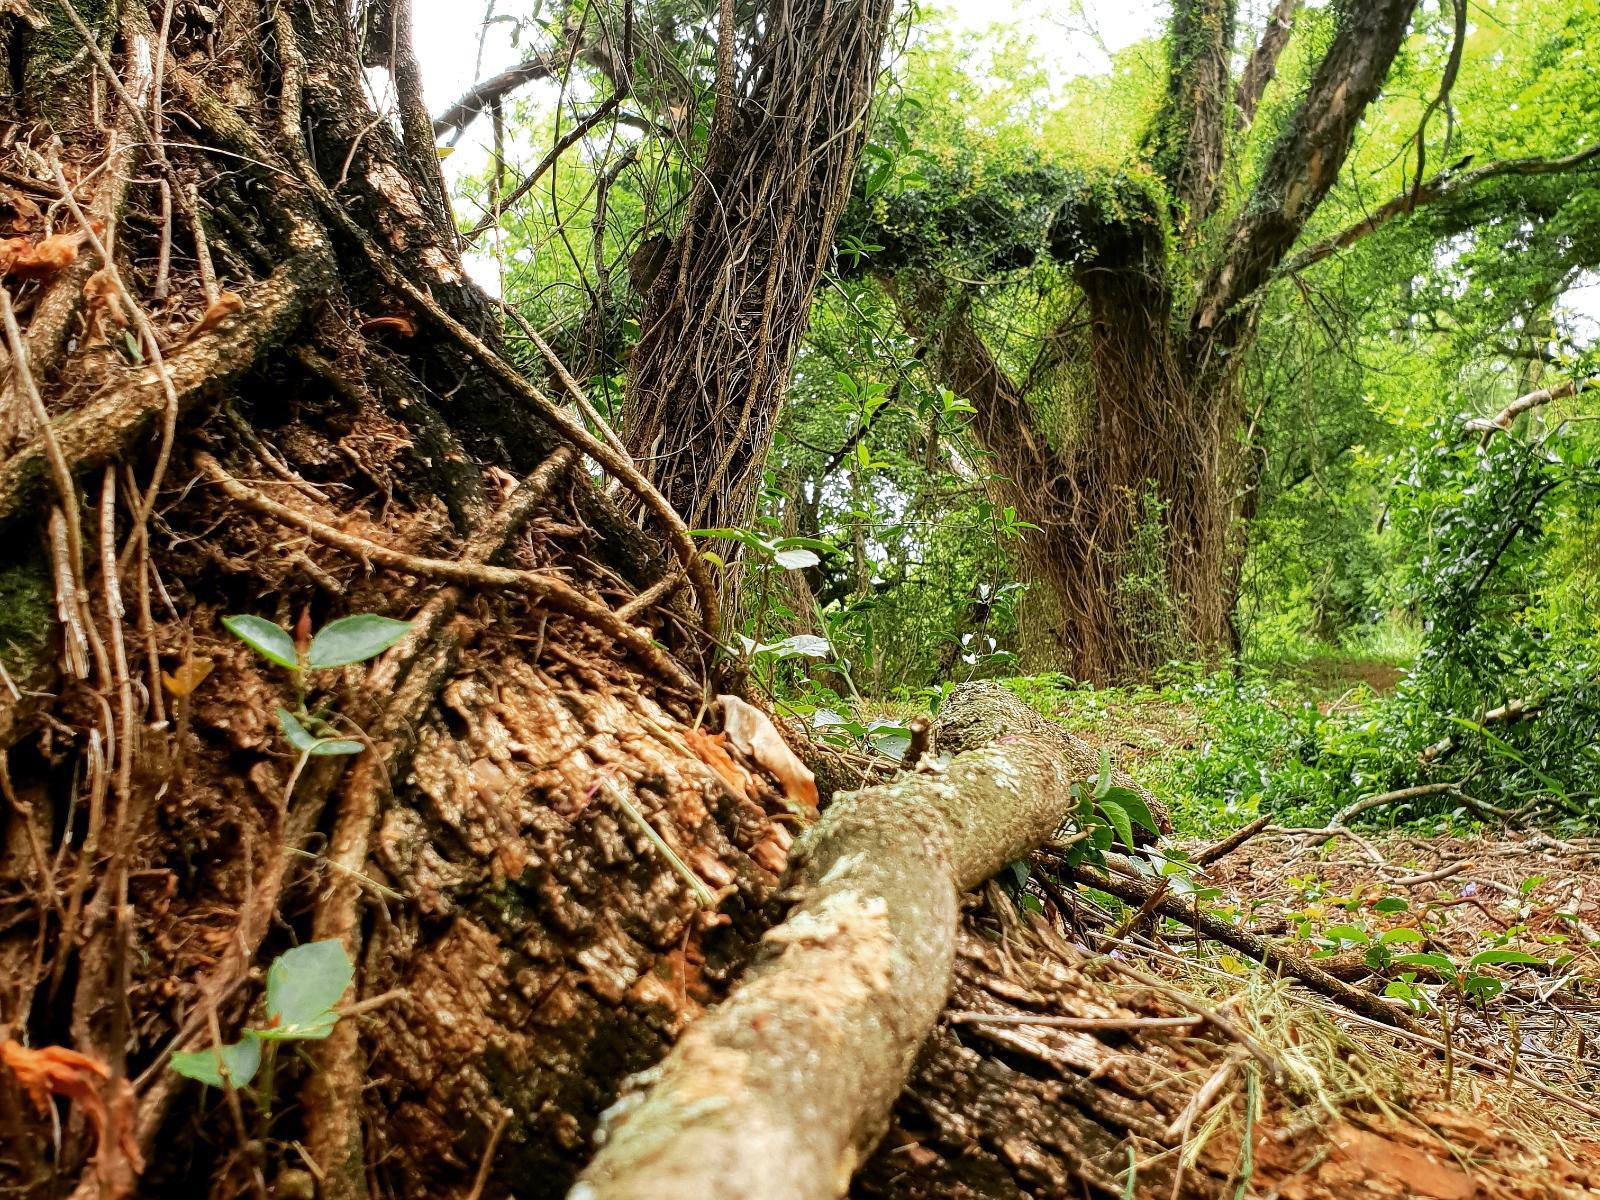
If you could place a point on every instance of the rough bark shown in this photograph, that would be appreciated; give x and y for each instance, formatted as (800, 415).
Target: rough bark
(723, 318)
(1263, 64)
(756, 1099)
(543, 946)
(1185, 141)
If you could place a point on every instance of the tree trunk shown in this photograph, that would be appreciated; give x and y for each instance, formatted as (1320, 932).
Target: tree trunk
(286, 255)
(1119, 440)
(723, 320)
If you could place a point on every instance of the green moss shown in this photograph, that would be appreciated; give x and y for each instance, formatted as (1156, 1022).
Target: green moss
(55, 65)
(26, 610)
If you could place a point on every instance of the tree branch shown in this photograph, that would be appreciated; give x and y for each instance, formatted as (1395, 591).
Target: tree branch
(783, 1090)
(1447, 185)
(1304, 163)
(481, 95)
(1263, 64)
(1502, 420)
(1185, 140)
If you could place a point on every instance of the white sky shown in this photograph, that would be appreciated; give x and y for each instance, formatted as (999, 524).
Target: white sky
(447, 34)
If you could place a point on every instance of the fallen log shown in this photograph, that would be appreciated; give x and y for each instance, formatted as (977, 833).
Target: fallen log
(784, 1090)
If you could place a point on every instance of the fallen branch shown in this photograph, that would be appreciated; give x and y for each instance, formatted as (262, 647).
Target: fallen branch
(1368, 803)
(1231, 843)
(1137, 891)
(783, 1090)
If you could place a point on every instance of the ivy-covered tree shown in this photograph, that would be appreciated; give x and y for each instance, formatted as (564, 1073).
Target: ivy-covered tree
(1115, 408)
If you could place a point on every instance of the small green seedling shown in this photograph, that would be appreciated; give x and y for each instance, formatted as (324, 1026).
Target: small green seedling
(1108, 812)
(303, 985)
(337, 644)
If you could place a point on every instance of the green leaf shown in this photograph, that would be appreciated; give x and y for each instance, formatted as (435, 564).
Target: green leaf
(1102, 785)
(1347, 933)
(1494, 958)
(303, 985)
(307, 743)
(1118, 816)
(1136, 808)
(1390, 936)
(266, 639)
(1101, 836)
(242, 1059)
(1390, 904)
(1437, 961)
(796, 559)
(354, 639)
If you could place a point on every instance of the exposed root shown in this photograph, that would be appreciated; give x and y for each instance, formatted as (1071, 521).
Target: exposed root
(543, 586)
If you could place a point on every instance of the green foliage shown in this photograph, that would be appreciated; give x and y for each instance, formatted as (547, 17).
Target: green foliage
(303, 986)
(339, 643)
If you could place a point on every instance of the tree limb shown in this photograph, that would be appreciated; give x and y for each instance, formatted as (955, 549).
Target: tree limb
(1503, 419)
(783, 1090)
(483, 94)
(1304, 163)
(1263, 64)
(1446, 185)
(1185, 140)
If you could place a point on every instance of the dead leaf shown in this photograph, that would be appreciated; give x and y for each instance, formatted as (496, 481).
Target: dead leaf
(225, 305)
(25, 260)
(400, 326)
(59, 1071)
(24, 212)
(752, 733)
(187, 677)
(100, 298)
(708, 748)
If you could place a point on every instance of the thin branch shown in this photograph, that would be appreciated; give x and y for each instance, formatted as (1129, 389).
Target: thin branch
(482, 95)
(1446, 185)
(1452, 68)
(1503, 419)
(572, 135)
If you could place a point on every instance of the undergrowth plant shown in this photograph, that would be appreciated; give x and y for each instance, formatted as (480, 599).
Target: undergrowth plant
(339, 643)
(303, 986)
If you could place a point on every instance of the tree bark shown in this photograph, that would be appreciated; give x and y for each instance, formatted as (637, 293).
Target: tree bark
(723, 318)
(755, 1100)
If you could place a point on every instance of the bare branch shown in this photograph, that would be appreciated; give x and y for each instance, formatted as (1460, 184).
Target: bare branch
(1305, 162)
(1446, 185)
(1502, 420)
(482, 95)
(1263, 64)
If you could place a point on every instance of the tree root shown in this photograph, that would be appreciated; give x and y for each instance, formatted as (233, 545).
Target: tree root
(783, 1090)
(333, 1092)
(411, 673)
(1138, 892)
(543, 586)
(109, 425)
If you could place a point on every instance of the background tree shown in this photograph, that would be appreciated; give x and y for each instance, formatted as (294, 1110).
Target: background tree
(1117, 405)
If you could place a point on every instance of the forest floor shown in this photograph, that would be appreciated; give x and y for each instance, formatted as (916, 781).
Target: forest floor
(1495, 934)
